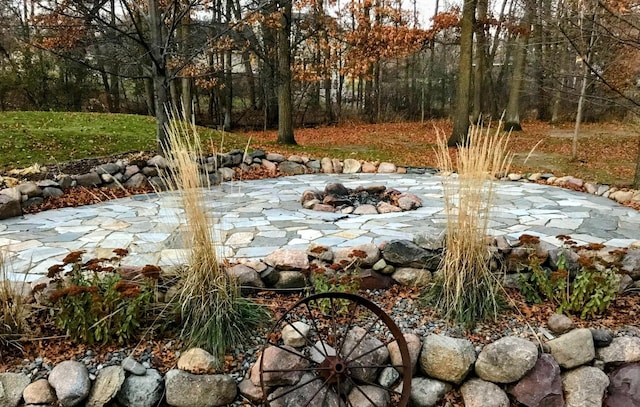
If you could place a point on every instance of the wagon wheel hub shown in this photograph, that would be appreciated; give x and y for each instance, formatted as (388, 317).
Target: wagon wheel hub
(333, 369)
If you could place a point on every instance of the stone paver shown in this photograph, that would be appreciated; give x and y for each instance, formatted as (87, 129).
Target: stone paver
(257, 217)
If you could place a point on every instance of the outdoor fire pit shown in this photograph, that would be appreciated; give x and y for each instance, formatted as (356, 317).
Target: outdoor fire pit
(363, 200)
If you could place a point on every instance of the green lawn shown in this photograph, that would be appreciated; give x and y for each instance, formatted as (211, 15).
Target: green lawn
(27, 138)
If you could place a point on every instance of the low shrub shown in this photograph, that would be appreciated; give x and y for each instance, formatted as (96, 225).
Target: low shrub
(95, 303)
(589, 292)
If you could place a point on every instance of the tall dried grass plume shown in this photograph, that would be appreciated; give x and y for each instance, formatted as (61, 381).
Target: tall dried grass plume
(14, 310)
(214, 315)
(466, 290)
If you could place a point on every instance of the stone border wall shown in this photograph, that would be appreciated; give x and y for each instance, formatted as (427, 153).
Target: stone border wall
(232, 165)
(567, 366)
(574, 368)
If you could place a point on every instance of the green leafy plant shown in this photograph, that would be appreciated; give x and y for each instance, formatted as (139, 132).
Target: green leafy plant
(95, 303)
(342, 278)
(589, 293)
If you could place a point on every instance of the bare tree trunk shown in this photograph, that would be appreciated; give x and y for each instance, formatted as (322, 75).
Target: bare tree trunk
(285, 114)
(228, 79)
(187, 98)
(461, 115)
(114, 88)
(159, 75)
(432, 61)
(583, 89)
(326, 55)
(512, 115)
(579, 112)
(480, 58)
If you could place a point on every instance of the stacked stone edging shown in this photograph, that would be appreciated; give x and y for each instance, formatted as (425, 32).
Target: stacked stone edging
(140, 173)
(573, 369)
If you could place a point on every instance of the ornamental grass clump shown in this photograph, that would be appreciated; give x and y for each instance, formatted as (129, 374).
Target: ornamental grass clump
(466, 290)
(14, 311)
(214, 315)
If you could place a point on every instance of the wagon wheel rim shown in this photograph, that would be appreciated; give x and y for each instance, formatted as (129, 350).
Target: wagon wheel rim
(335, 370)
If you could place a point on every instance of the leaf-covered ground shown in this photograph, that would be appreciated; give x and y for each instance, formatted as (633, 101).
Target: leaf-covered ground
(607, 152)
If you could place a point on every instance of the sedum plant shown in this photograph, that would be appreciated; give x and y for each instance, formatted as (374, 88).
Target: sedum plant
(95, 303)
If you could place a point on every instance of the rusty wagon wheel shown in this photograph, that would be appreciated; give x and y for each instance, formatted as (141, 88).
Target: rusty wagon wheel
(331, 349)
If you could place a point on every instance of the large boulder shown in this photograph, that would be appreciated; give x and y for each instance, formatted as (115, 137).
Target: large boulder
(542, 386)
(142, 391)
(624, 349)
(427, 392)
(137, 181)
(631, 263)
(245, 276)
(327, 165)
(108, 168)
(285, 360)
(369, 396)
(291, 168)
(584, 387)
(249, 390)
(573, 349)
(365, 255)
(506, 360)
(411, 277)
(290, 279)
(29, 189)
(158, 161)
(107, 384)
(624, 387)
(288, 259)
(297, 395)
(446, 358)
(413, 346)
(408, 202)
(11, 387)
(90, 179)
(480, 393)
(9, 205)
(364, 350)
(409, 254)
(560, 323)
(387, 168)
(295, 334)
(70, 379)
(197, 361)
(351, 166)
(38, 392)
(184, 389)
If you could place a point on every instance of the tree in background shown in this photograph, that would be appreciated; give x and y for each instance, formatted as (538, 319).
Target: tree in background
(285, 118)
(463, 90)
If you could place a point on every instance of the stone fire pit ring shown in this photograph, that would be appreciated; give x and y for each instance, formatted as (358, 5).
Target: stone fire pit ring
(362, 200)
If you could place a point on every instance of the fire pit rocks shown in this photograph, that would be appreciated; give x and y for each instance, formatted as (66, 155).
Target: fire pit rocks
(363, 200)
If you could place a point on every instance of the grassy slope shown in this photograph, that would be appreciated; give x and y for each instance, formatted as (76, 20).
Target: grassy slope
(46, 137)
